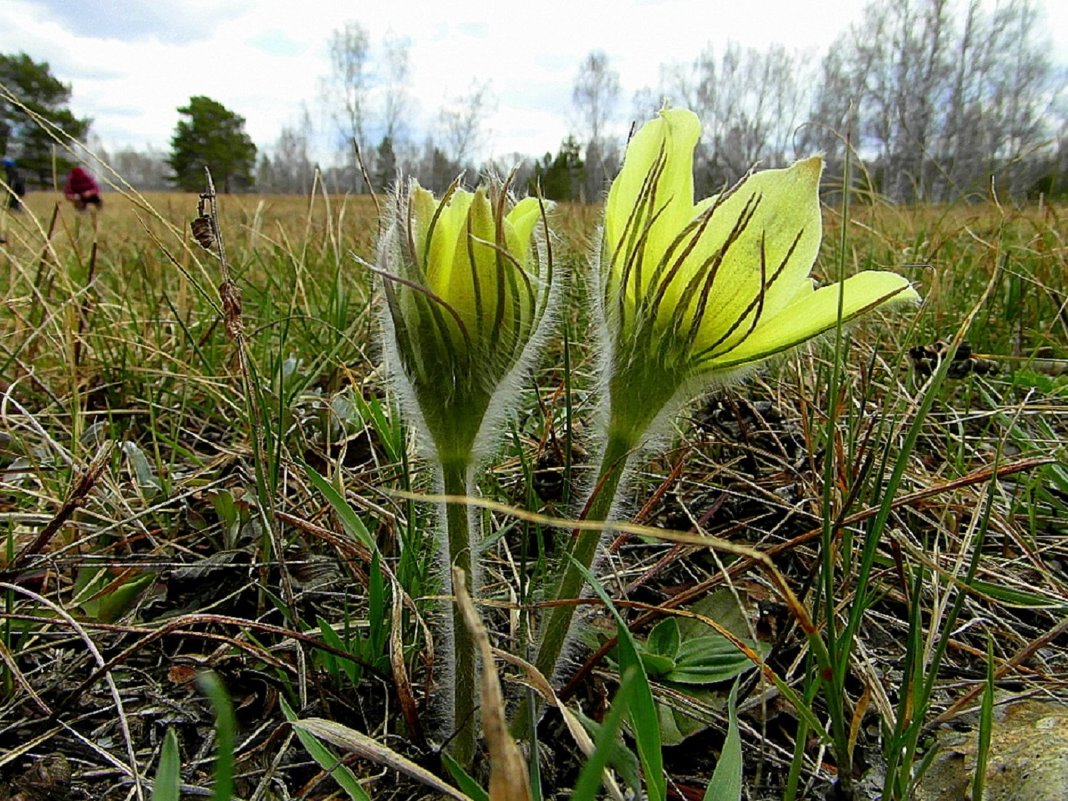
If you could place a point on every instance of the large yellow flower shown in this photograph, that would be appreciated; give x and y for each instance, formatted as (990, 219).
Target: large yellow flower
(694, 291)
(700, 290)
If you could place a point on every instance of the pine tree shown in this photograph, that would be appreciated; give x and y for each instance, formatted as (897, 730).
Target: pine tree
(40, 93)
(561, 178)
(210, 135)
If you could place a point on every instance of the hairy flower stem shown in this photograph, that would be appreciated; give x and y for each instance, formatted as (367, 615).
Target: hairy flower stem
(458, 535)
(555, 630)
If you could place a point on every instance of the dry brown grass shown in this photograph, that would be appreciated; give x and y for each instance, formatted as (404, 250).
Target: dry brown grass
(136, 552)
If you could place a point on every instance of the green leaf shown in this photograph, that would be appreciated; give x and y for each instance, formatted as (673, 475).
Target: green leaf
(352, 524)
(326, 759)
(621, 759)
(606, 742)
(695, 650)
(678, 721)
(655, 664)
(107, 607)
(115, 604)
(664, 639)
(142, 470)
(333, 661)
(726, 783)
(721, 606)
(168, 784)
(463, 779)
(389, 432)
(229, 516)
(377, 616)
(709, 659)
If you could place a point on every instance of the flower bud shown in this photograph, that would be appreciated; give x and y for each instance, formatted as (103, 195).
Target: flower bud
(467, 285)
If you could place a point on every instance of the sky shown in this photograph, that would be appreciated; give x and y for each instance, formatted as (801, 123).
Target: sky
(132, 64)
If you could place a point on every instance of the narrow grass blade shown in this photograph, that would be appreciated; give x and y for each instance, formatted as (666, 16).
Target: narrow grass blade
(211, 685)
(644, 721)
(986, 728)
(622, 762)
(367, 748)
(168, 784)
(336, 664)
(463, 779)
(726, 783)
(375, 647)
(349, 519)
(589, 781)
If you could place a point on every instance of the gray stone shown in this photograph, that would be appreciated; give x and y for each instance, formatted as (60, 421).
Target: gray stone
(1028, 758)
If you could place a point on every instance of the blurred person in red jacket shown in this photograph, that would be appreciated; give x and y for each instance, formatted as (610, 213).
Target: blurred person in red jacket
(81, 189)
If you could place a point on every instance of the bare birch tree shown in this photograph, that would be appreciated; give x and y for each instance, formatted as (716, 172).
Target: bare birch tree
(595, 96)
(750, 101)
(461, 122)
(346, 91)
(396, 100)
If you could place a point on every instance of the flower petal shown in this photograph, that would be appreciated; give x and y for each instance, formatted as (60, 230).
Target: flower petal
(813, 312)
(472, 284)
(422, 206)
(657, 167)
(519, 228)
(759, 270)
(452, 220)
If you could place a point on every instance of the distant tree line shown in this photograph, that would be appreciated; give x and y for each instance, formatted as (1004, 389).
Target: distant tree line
(934, 100)
(944, 103)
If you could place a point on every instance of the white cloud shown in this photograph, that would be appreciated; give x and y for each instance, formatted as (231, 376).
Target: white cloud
(131, 70)
(188, 21)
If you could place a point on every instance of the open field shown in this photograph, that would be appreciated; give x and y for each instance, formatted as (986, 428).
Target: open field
(159, 521)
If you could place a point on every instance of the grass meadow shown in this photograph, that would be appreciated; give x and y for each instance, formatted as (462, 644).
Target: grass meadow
(194, 487)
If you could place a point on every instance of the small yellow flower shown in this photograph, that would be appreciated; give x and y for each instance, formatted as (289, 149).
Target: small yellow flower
(467, 287)
(468, 283)
(691, 291)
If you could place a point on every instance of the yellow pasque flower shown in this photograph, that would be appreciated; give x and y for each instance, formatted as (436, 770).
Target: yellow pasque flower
(694, 291)
(467, 283)
(467, 287)
(691, 292)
